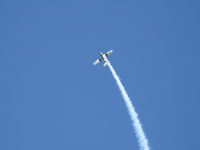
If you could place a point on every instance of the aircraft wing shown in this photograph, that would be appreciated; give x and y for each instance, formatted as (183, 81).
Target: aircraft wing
(97, 61)
(109, 52)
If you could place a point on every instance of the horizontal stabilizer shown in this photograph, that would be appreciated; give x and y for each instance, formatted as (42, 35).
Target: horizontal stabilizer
(105, 64)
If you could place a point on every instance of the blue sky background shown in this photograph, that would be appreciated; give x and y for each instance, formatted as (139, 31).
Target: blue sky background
(51, 97)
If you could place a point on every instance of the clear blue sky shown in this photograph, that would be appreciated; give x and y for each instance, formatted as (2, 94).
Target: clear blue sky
(51, 97)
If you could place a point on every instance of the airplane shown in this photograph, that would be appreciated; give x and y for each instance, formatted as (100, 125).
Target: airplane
(103, 57)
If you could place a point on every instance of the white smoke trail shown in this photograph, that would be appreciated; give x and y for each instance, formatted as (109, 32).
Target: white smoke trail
(142, 140)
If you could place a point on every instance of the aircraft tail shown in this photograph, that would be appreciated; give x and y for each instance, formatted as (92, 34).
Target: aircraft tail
(105, 64)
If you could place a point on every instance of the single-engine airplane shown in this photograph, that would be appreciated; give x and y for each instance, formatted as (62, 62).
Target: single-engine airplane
(104, 58)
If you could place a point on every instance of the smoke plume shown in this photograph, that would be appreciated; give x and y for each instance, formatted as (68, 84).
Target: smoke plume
(142, 140)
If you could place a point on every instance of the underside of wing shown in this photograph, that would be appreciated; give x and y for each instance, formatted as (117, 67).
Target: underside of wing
(97, 61)
(109, 52)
